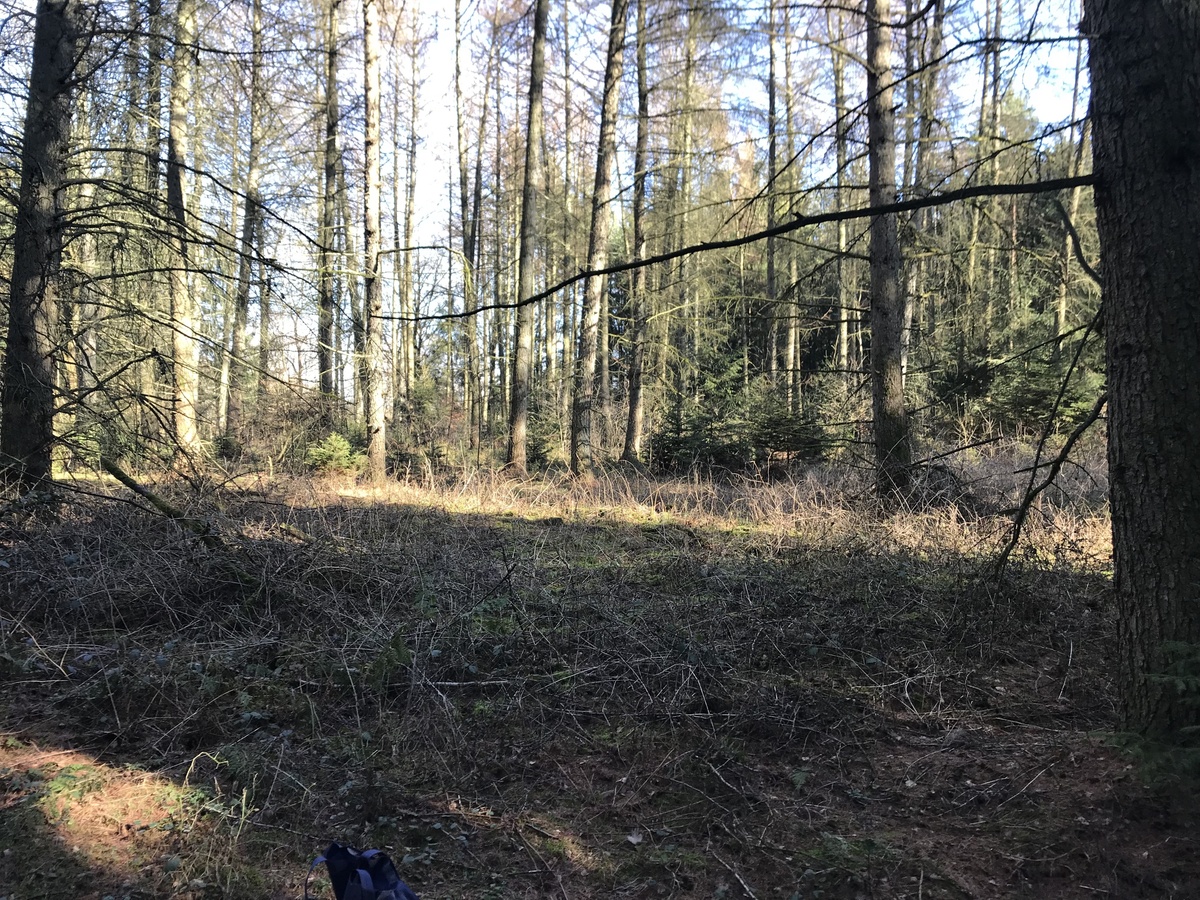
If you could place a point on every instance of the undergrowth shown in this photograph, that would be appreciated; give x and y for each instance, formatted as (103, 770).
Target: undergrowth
(624, 688)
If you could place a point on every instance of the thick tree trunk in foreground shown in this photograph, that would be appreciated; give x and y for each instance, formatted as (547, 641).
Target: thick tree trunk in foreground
(522, 371)
(893, 453)
(582, 451)
(27, 423)
(1146, 90)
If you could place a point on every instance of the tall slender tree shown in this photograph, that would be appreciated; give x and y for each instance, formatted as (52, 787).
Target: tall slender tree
(184, 324)
(639, 301)
(772, 355)
(835, 20)
(893, 453)
(328, 195)
(531, 195)
(251, 214)
(582, 451)
(372, 311)
(1074, 165)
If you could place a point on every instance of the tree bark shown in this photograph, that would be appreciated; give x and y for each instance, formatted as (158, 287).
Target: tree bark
(893, 454)
(329, 155)
(582, 451)
(408, 326)
(186, 362)
(1146, 153)
(522, 373)
(1074, 165)
(250, 230)
(639, 301)
(772, 292)
(372, 312)
(27, 407)
(842, 142)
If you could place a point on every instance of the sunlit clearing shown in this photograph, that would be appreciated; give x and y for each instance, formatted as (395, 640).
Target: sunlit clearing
(113, 824)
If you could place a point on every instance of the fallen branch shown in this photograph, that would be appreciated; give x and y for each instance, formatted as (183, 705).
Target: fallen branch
(198, 527)
(734, 872)
(1022, 511)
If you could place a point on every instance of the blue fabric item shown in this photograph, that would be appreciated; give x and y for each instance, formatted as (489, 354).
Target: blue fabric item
(361, 875)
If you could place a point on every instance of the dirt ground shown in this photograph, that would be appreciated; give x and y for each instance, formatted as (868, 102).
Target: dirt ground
(573, 696)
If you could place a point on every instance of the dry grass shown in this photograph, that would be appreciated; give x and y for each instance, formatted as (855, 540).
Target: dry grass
(623, 688)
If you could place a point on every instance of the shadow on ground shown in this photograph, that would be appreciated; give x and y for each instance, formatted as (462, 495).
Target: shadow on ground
(602, 703)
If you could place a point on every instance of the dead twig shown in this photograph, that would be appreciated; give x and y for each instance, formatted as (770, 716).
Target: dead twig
(1022, 511)
(199, 527)
(732, 871)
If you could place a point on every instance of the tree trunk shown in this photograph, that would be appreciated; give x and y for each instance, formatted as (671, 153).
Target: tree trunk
(186, 365)
(639, 301)
(27, 416)
(1146, 146)
(470, 200)
(264, 321)
(929, 65)
(582, 451)
(892, 451)
(408, 325)
(1073, 168)
(350, 287)
(842, 141)
(250, 230)
(522, 373)
(772, 292)
(794, 359)
(372, 312)
(329, 155)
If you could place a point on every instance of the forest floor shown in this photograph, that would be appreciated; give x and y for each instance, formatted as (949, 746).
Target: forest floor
(630, 688)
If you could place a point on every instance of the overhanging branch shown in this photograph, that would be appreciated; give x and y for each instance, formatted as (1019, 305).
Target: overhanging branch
(800, 221)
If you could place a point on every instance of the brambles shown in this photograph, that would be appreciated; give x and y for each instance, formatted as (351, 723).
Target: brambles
(505, 679)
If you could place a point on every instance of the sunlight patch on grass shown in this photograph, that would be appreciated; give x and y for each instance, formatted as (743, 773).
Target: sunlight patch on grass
(79, 818)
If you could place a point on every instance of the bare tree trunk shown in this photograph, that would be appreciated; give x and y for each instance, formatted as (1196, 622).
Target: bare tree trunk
(350, 287)
(1076, 163)
(686, 375)
(522, 373)
(565, 338)
(329, 156)
(250, 229)
(228, 305)
(153, 113)
(772, 350)
(795, 392)
(372, 245)
(265, 282)
(582, 451)
(186, 364)
(27, 407)
(842, 140)
(470, 200)
(408, 323)
(1146, 89)
(929, 67)
(893, 454)
(639, 301)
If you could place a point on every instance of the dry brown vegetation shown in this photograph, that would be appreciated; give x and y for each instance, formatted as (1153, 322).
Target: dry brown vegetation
(628, 688)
